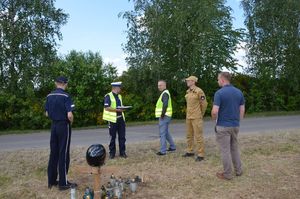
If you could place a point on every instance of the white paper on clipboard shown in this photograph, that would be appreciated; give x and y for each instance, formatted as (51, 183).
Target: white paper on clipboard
(124, 107)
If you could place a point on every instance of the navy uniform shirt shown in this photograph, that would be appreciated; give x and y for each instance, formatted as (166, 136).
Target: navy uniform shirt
(107, 102)
(58, 104)
(229, 99)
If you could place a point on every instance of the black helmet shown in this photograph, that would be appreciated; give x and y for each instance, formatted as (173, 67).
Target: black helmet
(95, 155)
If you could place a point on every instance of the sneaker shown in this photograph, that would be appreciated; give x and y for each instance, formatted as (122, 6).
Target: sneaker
(171, 150)
(68, 186)
(221, 176)
(160, 153)
(111, 156)
(72, 183)
(188, 155)
(124, 156)
(199, 159)
(53, 184)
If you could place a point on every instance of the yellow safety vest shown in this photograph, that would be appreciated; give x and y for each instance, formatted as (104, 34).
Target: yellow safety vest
(159, 105)
(112, 116)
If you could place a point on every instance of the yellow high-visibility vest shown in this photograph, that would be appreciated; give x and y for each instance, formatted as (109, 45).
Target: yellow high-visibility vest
(112, 116)
(159, 105)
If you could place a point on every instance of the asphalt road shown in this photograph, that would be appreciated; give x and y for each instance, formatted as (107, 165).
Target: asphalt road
(137, 134)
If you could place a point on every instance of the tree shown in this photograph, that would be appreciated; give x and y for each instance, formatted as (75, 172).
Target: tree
(273, 44)
(28, 33)
(28, 30)
(89, 81)
(172, 39)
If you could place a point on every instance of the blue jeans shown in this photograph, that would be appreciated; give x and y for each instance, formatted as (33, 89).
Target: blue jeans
(165, 134)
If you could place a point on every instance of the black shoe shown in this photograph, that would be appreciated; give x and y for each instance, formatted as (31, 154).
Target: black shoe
(160, 153)
(239, 174)
(68, 186)
(123, 155)
(199, 159)
(51, 185)
(72, 183)
(188, 155)
(111, 156)
(171, 150)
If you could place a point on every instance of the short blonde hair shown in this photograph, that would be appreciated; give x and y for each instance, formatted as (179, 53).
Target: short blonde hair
(225, 75)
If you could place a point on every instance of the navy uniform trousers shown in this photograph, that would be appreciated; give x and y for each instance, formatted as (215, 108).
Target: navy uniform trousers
(114, 128)
(59, 152)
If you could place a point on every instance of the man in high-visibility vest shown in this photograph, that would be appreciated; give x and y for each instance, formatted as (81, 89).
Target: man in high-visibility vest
(163, 111)
(116, 120)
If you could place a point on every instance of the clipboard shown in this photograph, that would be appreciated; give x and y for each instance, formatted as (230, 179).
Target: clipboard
(124, 107)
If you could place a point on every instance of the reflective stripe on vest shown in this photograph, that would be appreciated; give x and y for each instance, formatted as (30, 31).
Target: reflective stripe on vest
(159, 105)
(112, 116)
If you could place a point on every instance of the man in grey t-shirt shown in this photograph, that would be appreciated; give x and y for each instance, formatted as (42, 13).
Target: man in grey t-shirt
(228, 109)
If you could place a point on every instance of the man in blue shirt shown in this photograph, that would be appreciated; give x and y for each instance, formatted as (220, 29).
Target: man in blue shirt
(59, 108)
(228, 109)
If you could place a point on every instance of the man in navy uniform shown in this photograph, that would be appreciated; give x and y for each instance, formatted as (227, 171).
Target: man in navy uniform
(59, 108)
(116, 120)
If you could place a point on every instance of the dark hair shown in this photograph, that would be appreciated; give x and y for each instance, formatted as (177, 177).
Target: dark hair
(225, 75)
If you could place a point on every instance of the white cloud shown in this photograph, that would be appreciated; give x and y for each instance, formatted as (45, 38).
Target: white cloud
(118, 62)
(240, 55)
(140, 22)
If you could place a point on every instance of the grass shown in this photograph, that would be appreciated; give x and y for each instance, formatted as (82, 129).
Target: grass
(271, 163)
(151, 122)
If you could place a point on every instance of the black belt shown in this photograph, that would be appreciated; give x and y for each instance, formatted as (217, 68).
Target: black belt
(57, 121)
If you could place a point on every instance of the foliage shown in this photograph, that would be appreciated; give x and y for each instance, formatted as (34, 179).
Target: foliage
(166, 39)
(172, 39)
(89, 81)
(273, 46)
(28, 33)
(28, 30)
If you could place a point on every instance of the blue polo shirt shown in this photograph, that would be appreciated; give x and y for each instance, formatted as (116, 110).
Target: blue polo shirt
(58, 104)
(229, 99)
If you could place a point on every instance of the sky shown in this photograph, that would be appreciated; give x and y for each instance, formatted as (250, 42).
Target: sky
(94, 25)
